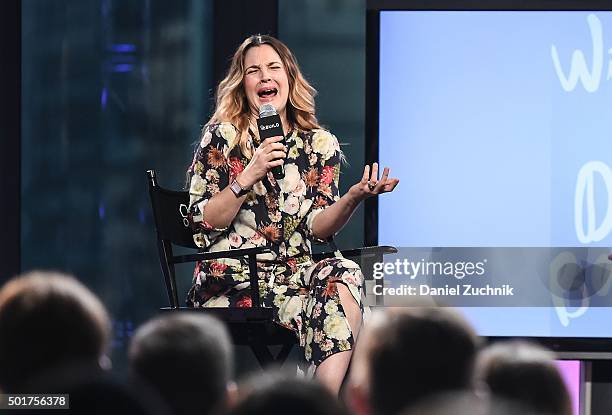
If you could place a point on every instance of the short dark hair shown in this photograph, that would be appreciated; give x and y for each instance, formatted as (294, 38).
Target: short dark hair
(414, 353)
(187, 357)
(278, 393)
(48, 319)
(525, 373)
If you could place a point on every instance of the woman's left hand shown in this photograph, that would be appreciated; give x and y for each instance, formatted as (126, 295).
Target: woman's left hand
(370, 185)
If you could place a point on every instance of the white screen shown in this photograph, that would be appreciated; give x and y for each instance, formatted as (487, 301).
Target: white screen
(499, 126)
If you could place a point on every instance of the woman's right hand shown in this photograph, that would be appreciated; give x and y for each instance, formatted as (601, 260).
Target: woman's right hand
(270, 153)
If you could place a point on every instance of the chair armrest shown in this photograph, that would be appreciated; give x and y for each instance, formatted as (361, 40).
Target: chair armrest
(232, 253)
(365, 252)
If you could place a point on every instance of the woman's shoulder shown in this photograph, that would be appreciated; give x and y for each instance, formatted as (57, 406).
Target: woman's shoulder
(320, 131)
(218, 132)
(321, 134)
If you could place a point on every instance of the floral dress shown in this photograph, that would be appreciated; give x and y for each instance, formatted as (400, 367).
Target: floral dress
(279, 215)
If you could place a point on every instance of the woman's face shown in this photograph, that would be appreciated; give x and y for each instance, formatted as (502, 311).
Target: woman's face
(265, 79)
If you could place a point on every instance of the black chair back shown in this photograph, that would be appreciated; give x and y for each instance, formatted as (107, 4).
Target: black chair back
(170, 213)
(252, 326)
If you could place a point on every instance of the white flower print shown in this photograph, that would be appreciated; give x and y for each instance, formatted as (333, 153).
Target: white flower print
(312, 159)
(291, 179)
(324, 143)
(257, 239)
(310, 305)
(296, 239)
(290, 309)
(325, 271)
(221, 301)
(349, 278)
(212, 175)
(327, 345)
(212, 188)
(259, 189)
(331, 307)
(336, 327)
(198, 185)
(292, 205)
(221, 245)
(244, 223)
(275, 216)
(227, 131)
(206, 138)
(235, 240)
(293, 153)
(198, 168)
(305, 207)
(280, 289)
(300, 189)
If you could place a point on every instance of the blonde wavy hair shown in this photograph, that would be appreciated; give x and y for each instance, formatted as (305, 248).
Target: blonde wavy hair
(231, 101)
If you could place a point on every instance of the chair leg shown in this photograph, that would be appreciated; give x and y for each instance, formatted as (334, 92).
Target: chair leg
(283, 353)
(265, 357)
(262, 354)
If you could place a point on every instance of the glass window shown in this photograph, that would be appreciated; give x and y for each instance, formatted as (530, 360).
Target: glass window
(328, 40)
(111, 88)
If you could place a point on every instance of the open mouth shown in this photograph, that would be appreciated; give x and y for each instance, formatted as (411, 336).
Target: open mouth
(267, 92)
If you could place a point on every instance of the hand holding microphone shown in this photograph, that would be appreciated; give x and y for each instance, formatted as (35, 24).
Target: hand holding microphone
(269, 125)
(271, 153)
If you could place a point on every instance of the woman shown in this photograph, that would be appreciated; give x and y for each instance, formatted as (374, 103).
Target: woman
(236, 203)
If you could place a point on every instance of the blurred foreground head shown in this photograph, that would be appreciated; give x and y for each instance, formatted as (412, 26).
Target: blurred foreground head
(187, 358)
(277, 393)
(408, 354)
(48, 320)
(526, 374)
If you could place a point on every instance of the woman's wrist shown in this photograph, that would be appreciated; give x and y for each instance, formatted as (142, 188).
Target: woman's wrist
(356, 195)
(245, 180)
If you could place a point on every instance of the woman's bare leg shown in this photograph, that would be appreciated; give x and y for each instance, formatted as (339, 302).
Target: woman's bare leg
(333, 369)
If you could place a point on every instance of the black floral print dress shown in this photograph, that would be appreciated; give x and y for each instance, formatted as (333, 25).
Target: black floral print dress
(278, 215)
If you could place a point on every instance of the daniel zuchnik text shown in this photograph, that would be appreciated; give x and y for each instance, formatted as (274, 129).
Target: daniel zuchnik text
(447, 290)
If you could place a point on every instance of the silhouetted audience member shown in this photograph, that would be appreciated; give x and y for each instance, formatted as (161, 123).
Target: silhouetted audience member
(187, 358)
(276, 393)
(94, 392)
(408, 354)
(453, 403)
(48, 320)
(525, 373)
(466, 403)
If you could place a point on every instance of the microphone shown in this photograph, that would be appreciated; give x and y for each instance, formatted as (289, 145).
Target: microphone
(269, 125)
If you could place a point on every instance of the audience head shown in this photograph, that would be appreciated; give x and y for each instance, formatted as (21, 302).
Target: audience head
(526, 374)
(275, 393)
(187, 358)
(47, 320)
(95, 392)
(407, 354)
(452, 403)
(466, 403)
